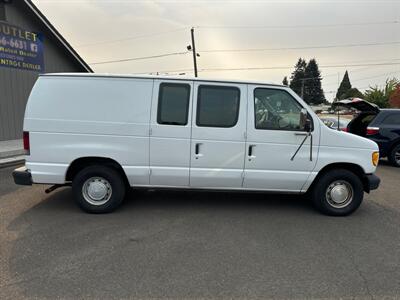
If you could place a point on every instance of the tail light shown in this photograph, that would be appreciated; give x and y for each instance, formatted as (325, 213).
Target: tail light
(372, 130)
(344, 129)
(27, 147)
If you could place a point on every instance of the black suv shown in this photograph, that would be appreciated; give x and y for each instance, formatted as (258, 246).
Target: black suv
(380, 125)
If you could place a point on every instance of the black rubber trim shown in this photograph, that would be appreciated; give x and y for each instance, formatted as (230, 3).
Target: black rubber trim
(372, 182)
(22, 176)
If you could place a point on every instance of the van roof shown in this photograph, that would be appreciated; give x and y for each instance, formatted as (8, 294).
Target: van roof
(160, 77)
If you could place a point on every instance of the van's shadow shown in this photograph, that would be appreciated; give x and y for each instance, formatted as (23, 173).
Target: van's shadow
(159, 237)
(62, 200)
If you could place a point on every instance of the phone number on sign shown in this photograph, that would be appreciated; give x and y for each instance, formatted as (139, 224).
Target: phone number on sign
(18, 44)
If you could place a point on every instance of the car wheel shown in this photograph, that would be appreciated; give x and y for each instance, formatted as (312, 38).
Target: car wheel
(394, 156)
(338, 193)
(98, 189)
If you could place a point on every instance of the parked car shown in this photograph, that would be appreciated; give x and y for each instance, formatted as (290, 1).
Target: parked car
(332, 122)
(104, 133)
(379, 125)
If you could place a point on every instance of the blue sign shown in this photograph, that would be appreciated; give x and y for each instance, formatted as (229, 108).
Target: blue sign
(20, 48)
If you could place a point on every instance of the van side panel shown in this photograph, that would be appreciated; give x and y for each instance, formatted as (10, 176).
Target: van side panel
(342, 147)
(73, 117)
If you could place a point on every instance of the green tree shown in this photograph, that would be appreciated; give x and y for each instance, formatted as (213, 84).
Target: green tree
(344, 87)
(298, 76)
(313, 93)
(353, 93)
(381, 96)
(285, 81)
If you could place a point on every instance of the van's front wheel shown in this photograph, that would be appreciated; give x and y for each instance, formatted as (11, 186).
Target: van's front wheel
(338, 193)
(98, 189)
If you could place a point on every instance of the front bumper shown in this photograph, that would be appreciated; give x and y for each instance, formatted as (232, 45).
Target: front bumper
(371, 182)
(22, 176)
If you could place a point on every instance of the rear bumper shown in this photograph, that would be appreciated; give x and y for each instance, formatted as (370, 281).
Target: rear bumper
(371, 182)
(22, 176)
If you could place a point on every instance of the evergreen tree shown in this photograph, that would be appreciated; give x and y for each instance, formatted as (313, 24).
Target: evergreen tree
(344, 87)
(353, 93)
(313, 93)
(285, 81)
(297, 76)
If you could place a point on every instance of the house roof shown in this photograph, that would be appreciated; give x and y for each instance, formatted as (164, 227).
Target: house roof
(57, 35)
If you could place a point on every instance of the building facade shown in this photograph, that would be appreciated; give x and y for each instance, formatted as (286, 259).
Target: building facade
(29, 45)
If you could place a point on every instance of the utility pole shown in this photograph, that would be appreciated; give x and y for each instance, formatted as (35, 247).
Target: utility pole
(302, 88)
(194, 52)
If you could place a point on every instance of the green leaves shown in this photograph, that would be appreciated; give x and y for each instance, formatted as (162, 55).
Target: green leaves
(381, 96)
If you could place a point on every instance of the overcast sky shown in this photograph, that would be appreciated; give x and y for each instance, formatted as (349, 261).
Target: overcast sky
(104, 30)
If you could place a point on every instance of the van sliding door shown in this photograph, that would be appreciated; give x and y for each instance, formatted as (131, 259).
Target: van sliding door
(218, 135)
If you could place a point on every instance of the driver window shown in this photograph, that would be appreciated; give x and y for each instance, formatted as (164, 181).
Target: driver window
(276, 109)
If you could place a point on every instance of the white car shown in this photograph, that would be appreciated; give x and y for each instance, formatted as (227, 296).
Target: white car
(105, 133)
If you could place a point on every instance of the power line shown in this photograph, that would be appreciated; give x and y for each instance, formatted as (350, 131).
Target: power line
(361, 88)
(137, 58)
(365, 78)
(376, 76)
(290, 67)
(236, 27)
(298, 48)
(296, 26)
(131, 38)
(323, 76)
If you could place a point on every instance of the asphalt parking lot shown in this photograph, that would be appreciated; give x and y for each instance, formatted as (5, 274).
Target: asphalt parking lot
(198, 245)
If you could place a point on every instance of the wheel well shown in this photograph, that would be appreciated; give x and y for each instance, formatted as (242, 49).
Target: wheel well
(356, 169)
(79, 164)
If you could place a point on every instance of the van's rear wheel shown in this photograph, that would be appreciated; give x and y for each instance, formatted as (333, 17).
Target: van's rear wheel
(98, 189)
(338, 193)
(394, 156)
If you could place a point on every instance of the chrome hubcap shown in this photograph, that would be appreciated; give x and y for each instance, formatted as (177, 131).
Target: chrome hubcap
(97, 190)
(339, 193)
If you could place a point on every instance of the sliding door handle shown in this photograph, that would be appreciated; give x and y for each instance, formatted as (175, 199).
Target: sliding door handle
(197, 149)
(250, 152)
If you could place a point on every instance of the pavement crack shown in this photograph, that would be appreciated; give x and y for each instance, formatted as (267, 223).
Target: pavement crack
(359, 272)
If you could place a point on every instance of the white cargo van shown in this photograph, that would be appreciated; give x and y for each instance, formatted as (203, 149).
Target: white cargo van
(104, 133)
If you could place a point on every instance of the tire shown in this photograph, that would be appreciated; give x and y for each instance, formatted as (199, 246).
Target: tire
(392, 156)
(330, 191)
(98, 189)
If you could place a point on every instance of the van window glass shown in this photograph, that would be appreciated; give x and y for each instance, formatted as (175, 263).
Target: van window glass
(173, 104)
(393, 119)
(217, 106)
(276, 109)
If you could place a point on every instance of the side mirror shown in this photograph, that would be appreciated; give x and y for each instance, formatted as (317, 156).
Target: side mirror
(305, 122)
(307, 126)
